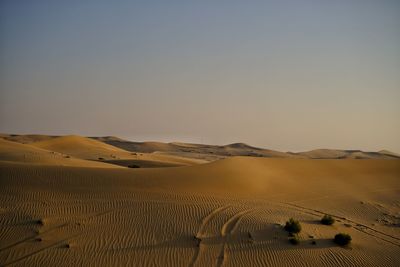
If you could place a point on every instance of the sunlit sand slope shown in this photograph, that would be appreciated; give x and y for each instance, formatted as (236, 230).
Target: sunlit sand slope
(82, 147)
(87, 148)
(27, 154)
(64, 216)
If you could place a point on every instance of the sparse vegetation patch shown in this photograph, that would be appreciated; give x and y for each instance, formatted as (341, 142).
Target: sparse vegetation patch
(342, 239)
(293, 226)
(327, 220)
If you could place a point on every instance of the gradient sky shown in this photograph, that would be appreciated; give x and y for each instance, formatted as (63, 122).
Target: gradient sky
(287, 75)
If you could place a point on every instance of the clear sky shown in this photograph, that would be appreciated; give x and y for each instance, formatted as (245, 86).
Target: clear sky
(287, 75)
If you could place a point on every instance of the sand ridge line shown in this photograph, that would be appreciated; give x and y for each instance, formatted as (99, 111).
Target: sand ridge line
(357, 226)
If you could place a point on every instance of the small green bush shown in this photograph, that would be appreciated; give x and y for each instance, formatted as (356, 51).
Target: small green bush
(292, 226)
(327, 220)
(342, 239)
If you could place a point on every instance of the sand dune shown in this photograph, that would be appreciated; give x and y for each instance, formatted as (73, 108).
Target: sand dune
(200, 151)
(59, 209)
(389, 153)
(156, 160)
(347, 154)
(213, 152)
(82, 147)
(195, 151)
(235, 207)
(66, 150)
(28, 154)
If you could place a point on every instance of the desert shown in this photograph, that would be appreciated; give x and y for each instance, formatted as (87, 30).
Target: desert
(62, 205)
(200, 133)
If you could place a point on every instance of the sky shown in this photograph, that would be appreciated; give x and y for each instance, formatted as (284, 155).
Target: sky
(286, 75)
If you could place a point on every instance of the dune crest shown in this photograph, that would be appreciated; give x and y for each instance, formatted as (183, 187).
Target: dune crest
(81, 147)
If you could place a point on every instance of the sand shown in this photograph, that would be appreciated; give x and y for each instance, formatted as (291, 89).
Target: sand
(228, 212)
(28, 154)
(215, 152)
(90, 149)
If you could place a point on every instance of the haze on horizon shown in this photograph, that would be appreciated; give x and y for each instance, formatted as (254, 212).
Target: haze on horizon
(285, 75)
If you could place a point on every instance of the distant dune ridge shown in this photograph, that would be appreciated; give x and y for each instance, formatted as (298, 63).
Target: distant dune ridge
(78, 147)
(241, 149)
(186, 149)
(72, 201)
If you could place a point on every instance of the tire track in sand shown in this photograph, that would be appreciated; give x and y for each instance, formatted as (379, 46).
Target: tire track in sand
(32, 237)
(227, 229)
(200, 232)
(55, 244)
